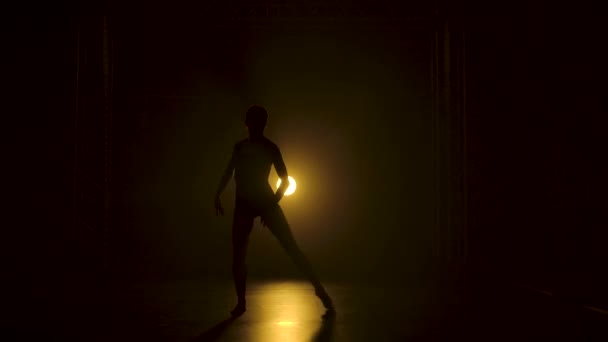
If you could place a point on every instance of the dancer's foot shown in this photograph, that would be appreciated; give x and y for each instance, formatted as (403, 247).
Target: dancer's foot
(239, 309)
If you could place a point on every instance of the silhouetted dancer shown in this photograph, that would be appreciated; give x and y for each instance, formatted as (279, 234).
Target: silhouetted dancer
(251, 161)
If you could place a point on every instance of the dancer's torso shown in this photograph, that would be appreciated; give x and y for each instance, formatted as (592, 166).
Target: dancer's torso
(253, 160)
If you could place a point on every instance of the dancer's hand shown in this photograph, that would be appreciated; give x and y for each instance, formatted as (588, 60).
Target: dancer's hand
(218, 207)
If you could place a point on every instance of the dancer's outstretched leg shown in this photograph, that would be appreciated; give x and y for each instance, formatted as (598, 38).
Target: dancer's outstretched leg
(277, 223)
(241, 228)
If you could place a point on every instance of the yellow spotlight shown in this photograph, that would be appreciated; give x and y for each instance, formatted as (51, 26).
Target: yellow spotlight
(291, 188)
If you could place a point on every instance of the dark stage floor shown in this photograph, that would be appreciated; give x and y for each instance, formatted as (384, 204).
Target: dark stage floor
(287, 310)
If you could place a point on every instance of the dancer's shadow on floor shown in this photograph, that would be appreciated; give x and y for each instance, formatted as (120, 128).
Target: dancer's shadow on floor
(215, 332)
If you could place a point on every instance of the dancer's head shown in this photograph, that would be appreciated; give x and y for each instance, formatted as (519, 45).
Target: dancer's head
(255, 120)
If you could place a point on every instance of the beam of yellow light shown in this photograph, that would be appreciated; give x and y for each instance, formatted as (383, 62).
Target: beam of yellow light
(291, 188)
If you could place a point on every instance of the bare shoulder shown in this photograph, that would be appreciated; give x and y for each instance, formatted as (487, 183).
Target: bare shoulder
(239, 144)
(271, 145)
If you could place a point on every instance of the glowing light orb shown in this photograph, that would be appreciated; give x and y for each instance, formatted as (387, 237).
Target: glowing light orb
(291, 188)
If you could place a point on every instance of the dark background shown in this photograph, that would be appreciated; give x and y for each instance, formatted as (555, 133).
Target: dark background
(350, 109)
(352, 123)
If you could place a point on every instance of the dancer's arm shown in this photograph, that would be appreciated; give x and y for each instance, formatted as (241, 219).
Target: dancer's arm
(224, 182)
(279, 166)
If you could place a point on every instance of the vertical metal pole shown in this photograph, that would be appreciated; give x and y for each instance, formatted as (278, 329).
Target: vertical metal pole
(432, 103)
(111, 67)
(107, 120)
(75, 184)
(445, 142)
(465, 228)
(436, 140)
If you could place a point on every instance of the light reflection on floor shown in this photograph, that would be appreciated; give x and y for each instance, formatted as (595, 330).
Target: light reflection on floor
(277, 310)
(283, 311)
(288, 311)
